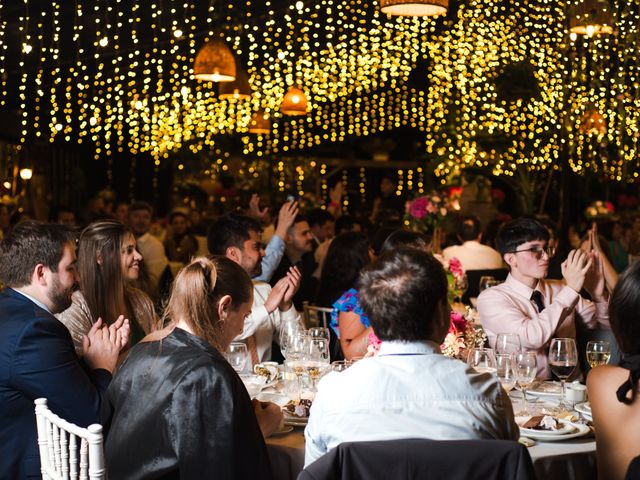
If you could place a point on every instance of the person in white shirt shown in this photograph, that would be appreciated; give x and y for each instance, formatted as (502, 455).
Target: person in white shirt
(409, 389)
(238, 238)
(472, 254)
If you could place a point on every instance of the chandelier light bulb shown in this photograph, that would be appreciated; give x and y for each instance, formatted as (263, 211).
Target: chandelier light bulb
(177, 33)
(26, 48)
(26, 173)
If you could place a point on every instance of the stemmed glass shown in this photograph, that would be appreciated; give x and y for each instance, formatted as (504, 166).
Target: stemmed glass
(598, 353)
(482, 360)
(289, 331)
(508, 343)
(526, 369)
(460, 286)
(237, 356)
(485, 282)
(506, 371)
(563, 358)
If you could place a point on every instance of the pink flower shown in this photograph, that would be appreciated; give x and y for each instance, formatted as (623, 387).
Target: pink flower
(456, 267)
(418, 208)
(458, 323)
(431, 208)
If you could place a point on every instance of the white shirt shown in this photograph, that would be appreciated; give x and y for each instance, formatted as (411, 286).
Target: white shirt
(153, 255)
(262, 324)
(474, 256)
(409, 390)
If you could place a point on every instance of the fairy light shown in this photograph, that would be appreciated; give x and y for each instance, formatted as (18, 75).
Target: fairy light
(363, 187)
(345, 190)
(3, 49)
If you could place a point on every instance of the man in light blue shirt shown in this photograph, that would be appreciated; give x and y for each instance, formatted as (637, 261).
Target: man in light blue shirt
(409, 389)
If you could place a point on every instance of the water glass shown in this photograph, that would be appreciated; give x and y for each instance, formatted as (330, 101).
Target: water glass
(319, 332)
(482, 360)
(598, 353)
(317, 349)
(526, 370)
(485, 283)
(563, 359)
(237, 356)
(506, 371)
(508, 343)
(340, 365)
(289, 333)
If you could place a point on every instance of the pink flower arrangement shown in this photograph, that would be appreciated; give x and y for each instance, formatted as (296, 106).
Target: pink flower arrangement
(426, 212)
(455, 267)
(461, 336)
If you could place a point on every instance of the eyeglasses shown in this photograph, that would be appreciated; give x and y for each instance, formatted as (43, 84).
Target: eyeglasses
(537, 251)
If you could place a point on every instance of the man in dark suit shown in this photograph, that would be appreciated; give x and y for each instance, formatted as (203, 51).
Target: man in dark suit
(37, 357)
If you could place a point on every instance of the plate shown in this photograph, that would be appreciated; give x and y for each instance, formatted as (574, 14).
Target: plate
(577, 431)
(295, 420)
(277, 398)
(563, 430)
(546, 389)
(283, 431)
(585, 410)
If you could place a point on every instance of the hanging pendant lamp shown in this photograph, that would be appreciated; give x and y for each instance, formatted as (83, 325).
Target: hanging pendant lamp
(414, 8)
(215, 62)
(260, 123)
(591, 17)
(239, 89)
(294, 102)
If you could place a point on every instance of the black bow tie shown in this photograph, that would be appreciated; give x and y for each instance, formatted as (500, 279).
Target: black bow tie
(537, 298)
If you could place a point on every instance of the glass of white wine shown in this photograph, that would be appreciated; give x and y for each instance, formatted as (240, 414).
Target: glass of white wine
(506, 371)
(598, 353)
(526, 370)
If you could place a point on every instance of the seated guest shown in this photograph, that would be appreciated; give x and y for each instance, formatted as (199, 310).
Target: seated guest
(176, 408)
(37, 358)
(108, 264)
(322, 225)
(406, 238)
(63, 214)
(348, 254)
(613, 390)
(472, 254)
(180, 246)
(344, 224)
(408, 390)
(538, 309)
(238, 238)
(298, 242)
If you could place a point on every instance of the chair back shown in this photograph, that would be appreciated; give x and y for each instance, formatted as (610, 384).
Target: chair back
(423, 459)
(315, 316)
(66, 450)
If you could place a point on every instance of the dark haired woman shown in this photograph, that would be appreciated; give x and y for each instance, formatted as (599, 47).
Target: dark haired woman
(613, 390)
(348, 254)
(108, 262)
(176, 408)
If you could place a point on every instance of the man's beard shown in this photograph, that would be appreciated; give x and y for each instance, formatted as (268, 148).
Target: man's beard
(257, 270)
(59, 297)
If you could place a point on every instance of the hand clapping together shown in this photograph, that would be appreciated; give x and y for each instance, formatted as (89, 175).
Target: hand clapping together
(103, 343)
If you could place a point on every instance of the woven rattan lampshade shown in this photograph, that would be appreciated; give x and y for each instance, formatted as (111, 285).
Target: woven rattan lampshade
(294, 102)
(239, 89)
(260, 123)
(414, 8)
(593, 123)
(215, 63)
(591, 17)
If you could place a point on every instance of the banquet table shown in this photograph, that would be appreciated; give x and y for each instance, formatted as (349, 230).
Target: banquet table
(568, 460)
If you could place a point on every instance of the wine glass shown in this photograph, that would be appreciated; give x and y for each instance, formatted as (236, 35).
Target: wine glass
(508, 343)
(484, 283)
(318, 349)
(288, 332)
(319, 332)
(506, 371)
(526, 369)
(340, 365)
(460, 284)
(482, 360)
(598, 353)
(237, 356)
(563, 358)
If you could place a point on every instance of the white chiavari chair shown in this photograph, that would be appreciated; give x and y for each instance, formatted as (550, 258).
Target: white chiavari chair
(68, 452)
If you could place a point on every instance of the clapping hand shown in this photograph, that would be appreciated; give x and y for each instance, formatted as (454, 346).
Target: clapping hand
(594, 281)
(286, 217)
(293, 279)
(254, 208)
(575, 268)
(102, 343)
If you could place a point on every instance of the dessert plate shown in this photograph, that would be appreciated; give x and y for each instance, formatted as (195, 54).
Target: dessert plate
(585, 410)
(546, 389)
(577, 431)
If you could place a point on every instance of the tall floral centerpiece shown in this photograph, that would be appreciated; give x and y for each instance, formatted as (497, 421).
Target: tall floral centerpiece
(427, 212)
(456, 278)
